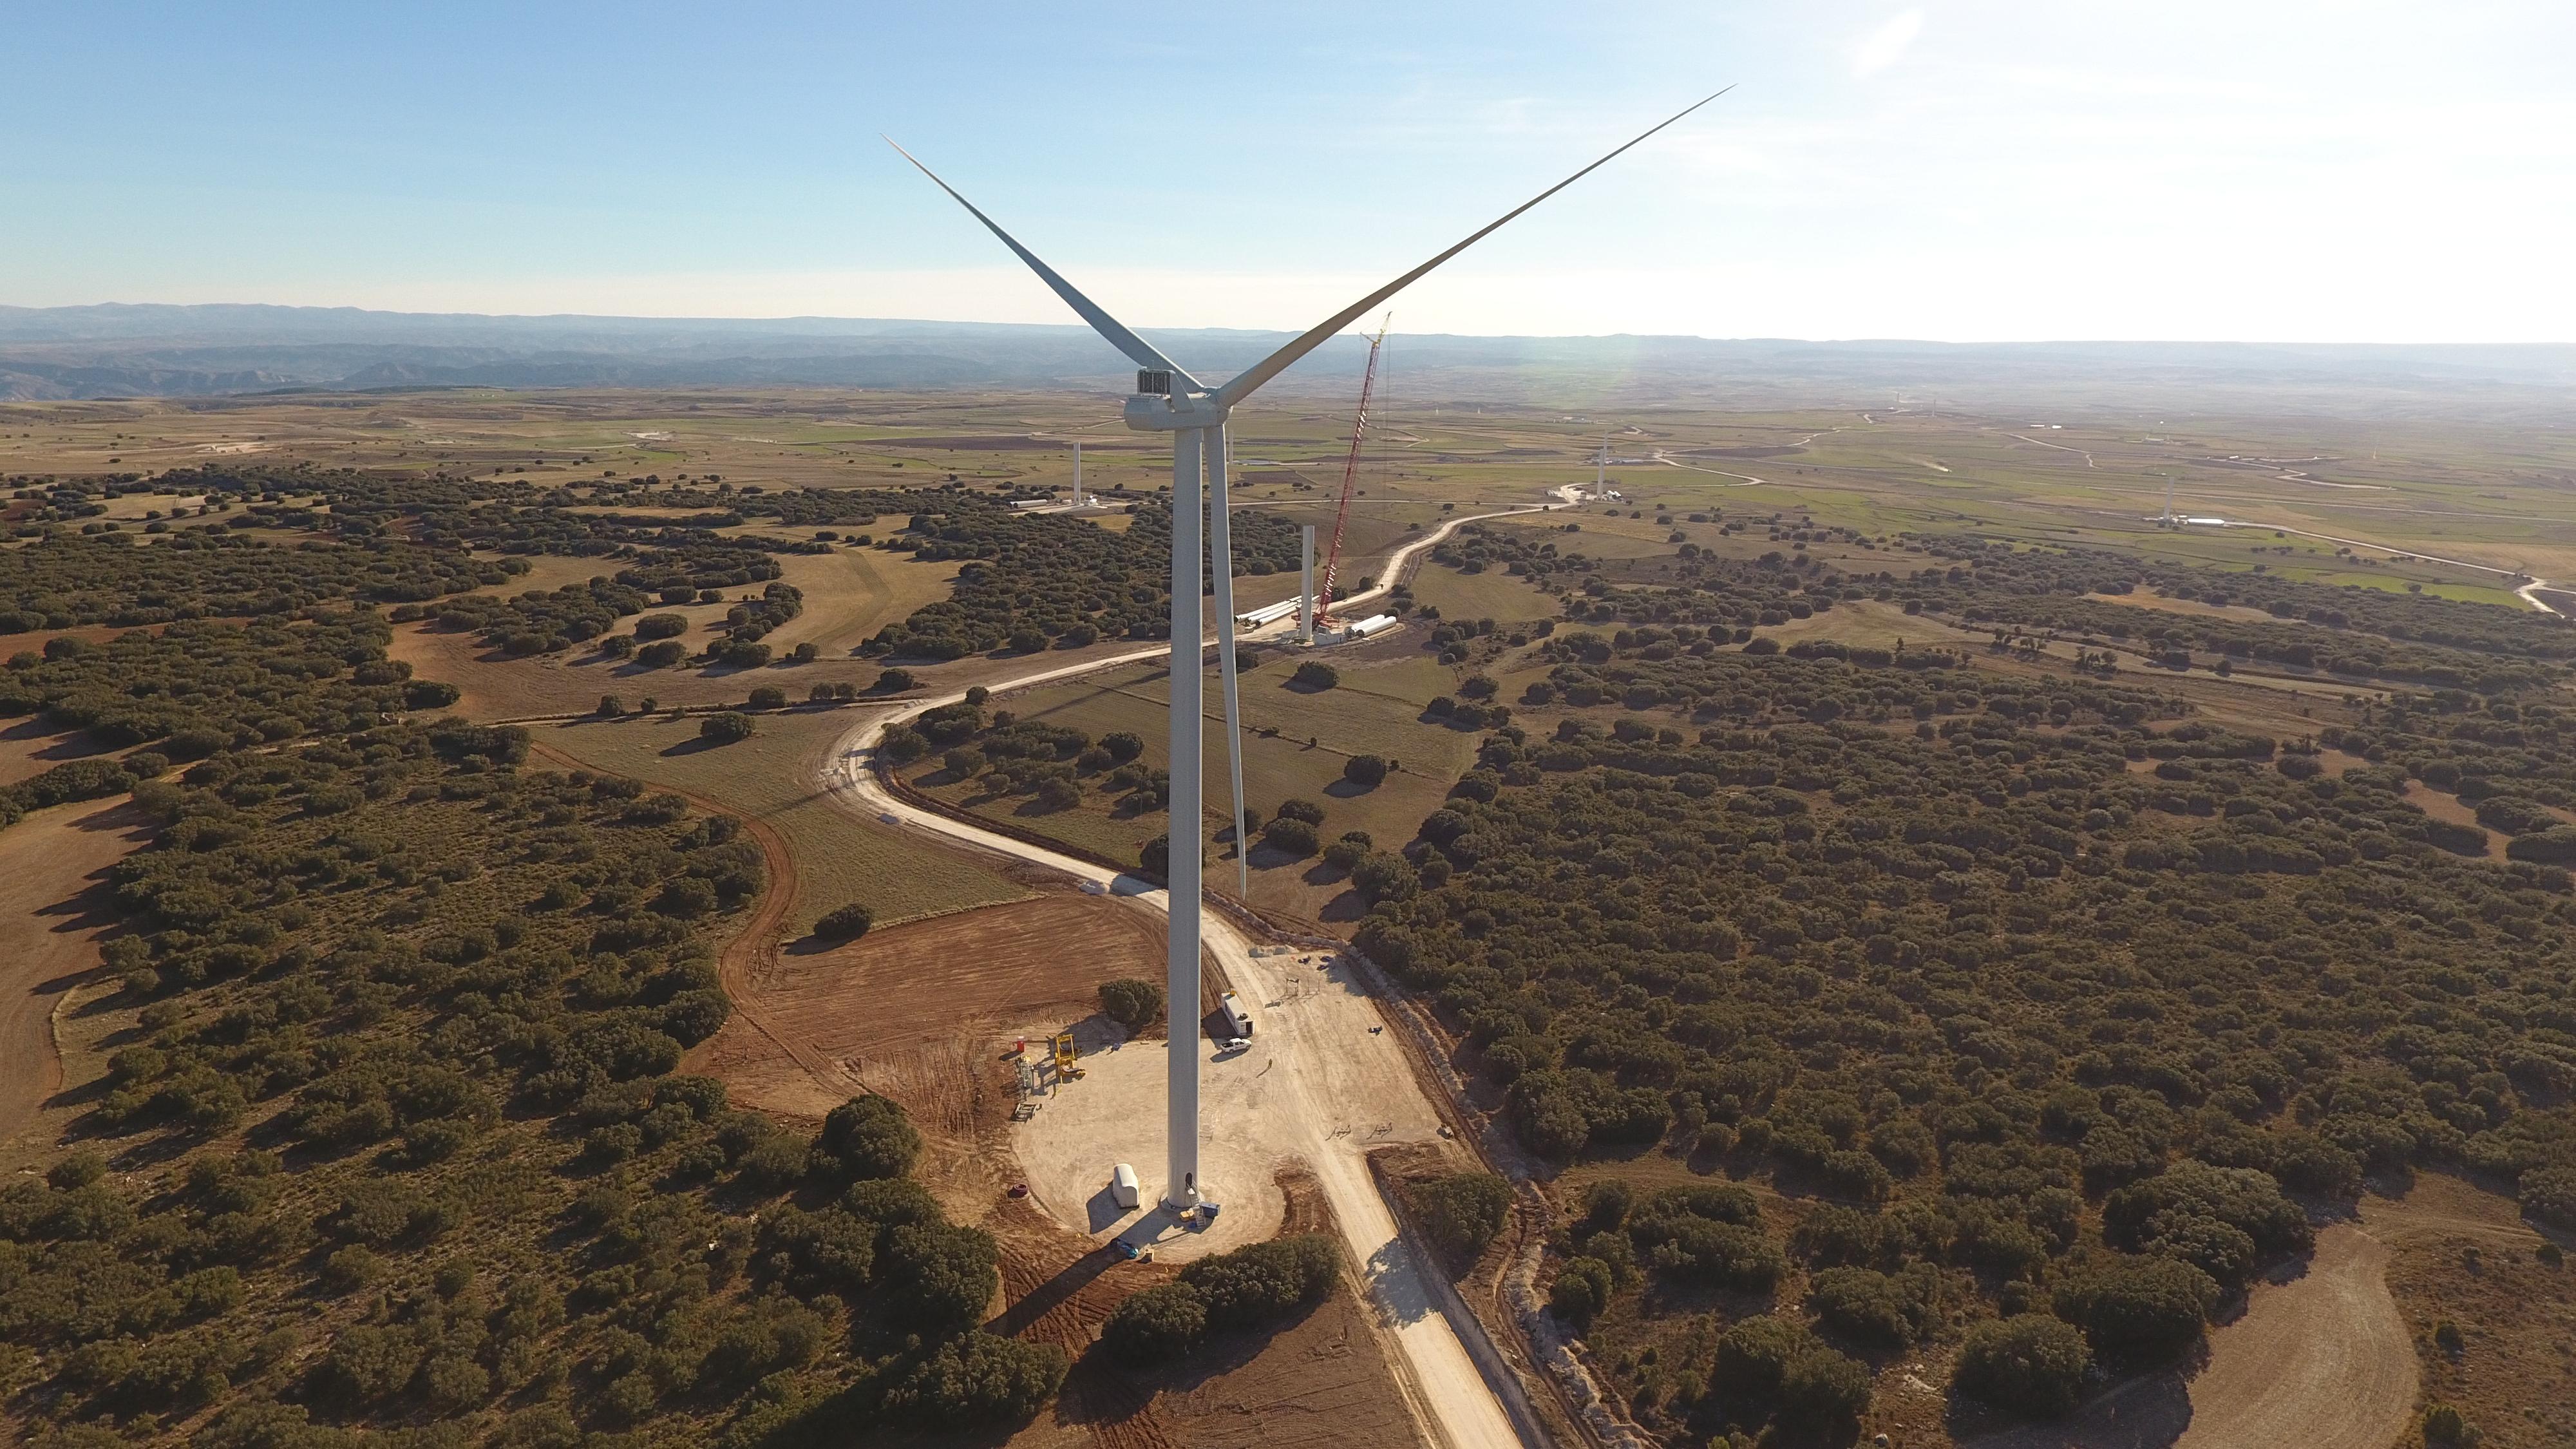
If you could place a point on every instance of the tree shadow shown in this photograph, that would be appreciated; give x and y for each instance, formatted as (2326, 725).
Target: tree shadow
(1038, 1302)
(1347, 789)
(2145, 1413)
(1345, 906)
(696, 744)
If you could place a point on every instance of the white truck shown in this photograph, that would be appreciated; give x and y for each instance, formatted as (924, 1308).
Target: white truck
(1237, 1020)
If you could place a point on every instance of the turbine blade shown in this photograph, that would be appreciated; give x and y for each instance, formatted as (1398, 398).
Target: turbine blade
(1221, 569)
(1269, 367)
(1144, 352)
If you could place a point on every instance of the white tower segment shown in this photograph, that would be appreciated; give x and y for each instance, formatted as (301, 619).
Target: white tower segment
(1306, 583)
(1169, 400)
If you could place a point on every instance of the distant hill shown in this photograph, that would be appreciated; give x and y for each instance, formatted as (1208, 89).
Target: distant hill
(120, 350)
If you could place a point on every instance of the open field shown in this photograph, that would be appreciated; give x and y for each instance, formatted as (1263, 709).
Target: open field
(773, 776)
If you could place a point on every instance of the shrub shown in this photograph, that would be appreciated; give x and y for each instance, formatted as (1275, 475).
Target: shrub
(1872, 1307)
(845, 923)
(1293, 838)
(1305, 810)
(661, 626)
(1461, 1213)
(1258, 1283)
(1156, 1325)
(1122, 746)
(725, 728)
(866, 1137)
(2549, 1194)
(1315, 674)
(2137, 1310)
(943, 1276)
(2031, 1364)
(1130, 1002)
(768, 696)
(1582, 1289)
(979, 1378)
(662, 654)
(1366, 771)
(893, 681)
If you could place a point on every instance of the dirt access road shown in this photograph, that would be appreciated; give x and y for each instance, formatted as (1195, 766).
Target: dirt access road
(1337, 1084)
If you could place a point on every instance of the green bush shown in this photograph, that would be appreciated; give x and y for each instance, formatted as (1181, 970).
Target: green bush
(2137, 1310)
(725, 728)
(1156, 1324)
(1460, 1213)
(2032, 1365)
(866, 1137)
(1582, 1288)
(1130, 1002)
(979, 1378)
(943, 1276)
(845, 923)
(1366, 771)
(1316, 674)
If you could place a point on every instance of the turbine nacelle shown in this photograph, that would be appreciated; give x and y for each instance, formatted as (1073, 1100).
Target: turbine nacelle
(1175, 411)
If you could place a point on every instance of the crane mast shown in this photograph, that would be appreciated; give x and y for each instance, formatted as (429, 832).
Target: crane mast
(1350, 477)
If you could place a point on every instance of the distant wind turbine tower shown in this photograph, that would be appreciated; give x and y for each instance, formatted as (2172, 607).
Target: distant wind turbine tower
(1169, 400)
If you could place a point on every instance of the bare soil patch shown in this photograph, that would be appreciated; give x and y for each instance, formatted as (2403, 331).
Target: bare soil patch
(2193, 607)
(2450, 810)
(30, 747)
(53, 909)
(916, 1011)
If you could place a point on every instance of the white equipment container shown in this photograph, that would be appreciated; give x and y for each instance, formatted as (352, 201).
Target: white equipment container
(1123, 1189)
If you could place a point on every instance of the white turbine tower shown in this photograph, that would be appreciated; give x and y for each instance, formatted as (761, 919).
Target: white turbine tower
(1169, 400)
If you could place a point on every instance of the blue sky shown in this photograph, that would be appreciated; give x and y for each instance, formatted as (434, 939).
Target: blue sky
(2261, 169)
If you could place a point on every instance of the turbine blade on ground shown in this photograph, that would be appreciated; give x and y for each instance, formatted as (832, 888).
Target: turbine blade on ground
(1144, 352)
(1269, 367)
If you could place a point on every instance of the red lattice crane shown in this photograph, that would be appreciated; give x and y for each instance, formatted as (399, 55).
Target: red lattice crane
(1324, 595)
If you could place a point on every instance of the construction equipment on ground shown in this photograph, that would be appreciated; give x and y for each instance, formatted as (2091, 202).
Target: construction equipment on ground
(1324, 596)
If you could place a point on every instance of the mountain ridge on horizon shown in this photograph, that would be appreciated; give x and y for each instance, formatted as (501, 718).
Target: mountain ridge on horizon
(123, 349)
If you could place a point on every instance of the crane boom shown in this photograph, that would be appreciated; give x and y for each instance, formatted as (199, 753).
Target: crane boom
(1350, 476)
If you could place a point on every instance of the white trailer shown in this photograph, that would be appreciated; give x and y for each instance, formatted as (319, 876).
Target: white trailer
(1237, 1019)
(1122, 1186)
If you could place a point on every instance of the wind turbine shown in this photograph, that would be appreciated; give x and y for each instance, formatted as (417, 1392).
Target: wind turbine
(1169, 400)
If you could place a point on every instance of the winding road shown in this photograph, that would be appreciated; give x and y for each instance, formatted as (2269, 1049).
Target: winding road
(1332, 1058)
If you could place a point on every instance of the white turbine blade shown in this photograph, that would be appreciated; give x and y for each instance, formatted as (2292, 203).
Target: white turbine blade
(1144, 352)
(1221, 569)
(1278, 362)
